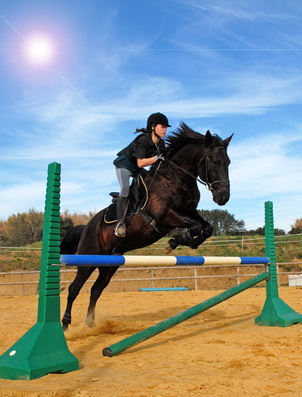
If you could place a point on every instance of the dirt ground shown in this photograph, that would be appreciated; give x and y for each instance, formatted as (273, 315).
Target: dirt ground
(217, 353)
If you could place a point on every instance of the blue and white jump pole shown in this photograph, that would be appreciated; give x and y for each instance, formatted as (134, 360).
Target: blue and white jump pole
(140, 260)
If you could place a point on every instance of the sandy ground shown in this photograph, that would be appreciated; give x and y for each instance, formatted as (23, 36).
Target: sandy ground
(217, 353)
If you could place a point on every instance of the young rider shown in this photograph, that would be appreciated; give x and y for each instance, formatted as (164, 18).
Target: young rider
(144, 150)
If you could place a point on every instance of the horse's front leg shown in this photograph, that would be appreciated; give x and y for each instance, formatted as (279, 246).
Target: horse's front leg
(197, 231)
(103, 279)
(207, 231)
(82, 276)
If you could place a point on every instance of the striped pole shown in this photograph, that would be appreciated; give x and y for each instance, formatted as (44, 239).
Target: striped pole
(140, 260)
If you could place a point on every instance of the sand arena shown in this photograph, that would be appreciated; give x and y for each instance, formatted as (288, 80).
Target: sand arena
(218, 352)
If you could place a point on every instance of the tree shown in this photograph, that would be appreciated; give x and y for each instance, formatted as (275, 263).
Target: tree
(261, 231)
(78, 218)
(296, 227)
(23, 228)
(66, 225)
(279, 232)
(3, 235)
(223, 222)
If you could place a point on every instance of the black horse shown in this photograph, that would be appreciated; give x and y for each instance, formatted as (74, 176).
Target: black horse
(173, 197)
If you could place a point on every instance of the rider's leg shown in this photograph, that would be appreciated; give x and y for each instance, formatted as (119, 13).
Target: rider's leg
(123, 176)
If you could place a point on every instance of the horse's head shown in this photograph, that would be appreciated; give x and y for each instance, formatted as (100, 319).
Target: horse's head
(202, 155)
(213, 167)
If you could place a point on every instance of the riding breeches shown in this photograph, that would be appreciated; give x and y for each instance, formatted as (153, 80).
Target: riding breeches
(123, 176)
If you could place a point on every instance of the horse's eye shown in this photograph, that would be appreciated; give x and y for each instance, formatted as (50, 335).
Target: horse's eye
(216, 163)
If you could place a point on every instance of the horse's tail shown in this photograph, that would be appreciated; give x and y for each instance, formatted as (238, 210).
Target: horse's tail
(70, 241)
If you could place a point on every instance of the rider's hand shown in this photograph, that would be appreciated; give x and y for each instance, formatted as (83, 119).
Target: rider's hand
(160, 157)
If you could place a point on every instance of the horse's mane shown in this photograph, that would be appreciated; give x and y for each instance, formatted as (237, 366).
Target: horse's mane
(183, 136)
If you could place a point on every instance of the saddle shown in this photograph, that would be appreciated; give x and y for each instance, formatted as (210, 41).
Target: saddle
(138, 199)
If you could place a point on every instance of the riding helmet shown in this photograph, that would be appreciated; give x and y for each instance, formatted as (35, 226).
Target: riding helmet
(157, 118)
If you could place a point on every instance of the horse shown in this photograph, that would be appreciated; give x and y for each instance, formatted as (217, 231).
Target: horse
(173, 196)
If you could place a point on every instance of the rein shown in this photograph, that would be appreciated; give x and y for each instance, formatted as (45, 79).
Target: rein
(206, 183)
(191, 175)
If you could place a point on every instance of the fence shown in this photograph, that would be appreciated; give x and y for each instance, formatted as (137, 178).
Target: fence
(132, 279)
(244, 242)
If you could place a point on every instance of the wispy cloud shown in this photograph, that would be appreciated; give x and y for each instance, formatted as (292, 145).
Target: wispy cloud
(241, 9)
(242, 24)
(70, 129)
(21, 197)
(265, 165)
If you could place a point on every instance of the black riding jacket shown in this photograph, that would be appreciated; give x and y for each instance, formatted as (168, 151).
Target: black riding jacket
(141, 147)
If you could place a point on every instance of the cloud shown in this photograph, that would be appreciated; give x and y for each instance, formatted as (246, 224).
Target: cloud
(262, 165)
(239, 24)
(21, 197)
(239, 9)
(265, 168)
(69, 128)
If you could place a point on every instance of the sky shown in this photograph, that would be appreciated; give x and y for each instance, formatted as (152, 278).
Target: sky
(229, 66)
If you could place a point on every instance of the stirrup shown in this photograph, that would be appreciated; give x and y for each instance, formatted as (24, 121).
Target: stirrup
(120, 230)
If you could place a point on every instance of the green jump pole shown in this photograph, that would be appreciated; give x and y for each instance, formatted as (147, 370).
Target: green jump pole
(275, 311)
(43, 348)
(141, 336)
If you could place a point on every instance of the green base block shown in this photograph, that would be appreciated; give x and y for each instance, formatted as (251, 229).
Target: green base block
(276, 313)
(41, 350)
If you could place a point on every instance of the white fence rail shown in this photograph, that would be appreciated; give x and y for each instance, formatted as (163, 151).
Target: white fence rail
(130, 279)
(240, 240)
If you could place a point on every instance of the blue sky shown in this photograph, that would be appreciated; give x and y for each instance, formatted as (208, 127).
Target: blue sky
(229, 66)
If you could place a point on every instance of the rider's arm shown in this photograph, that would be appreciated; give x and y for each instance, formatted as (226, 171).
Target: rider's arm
(145, 162)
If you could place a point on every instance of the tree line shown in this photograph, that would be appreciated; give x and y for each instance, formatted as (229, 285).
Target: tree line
(26, 228)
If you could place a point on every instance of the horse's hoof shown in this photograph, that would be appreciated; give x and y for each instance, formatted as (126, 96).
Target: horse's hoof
(170, 246)
(65, 327)
(90, 321)
(167, 249)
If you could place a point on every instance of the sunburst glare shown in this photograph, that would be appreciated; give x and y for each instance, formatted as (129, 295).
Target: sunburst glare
(40, 49)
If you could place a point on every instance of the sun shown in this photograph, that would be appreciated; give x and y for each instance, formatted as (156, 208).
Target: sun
(40, 49)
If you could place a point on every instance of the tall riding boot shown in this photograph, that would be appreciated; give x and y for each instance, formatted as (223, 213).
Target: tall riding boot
(121, 213)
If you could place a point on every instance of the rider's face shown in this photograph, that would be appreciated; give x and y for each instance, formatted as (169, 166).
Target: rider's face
(160, 130)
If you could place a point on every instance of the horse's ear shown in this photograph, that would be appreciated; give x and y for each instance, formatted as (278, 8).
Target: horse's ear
(227, 141)
(209, 138)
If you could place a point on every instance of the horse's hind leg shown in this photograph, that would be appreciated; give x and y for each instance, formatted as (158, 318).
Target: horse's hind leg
(82, 276)
(103, 279)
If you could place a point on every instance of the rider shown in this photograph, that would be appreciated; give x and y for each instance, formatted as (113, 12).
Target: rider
(144, 150)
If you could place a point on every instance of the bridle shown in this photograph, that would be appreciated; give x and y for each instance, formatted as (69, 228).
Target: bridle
(209, 185)
(207, 173)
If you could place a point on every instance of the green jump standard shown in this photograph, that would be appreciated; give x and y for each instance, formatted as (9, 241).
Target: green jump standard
(275, 311)
(43, 349)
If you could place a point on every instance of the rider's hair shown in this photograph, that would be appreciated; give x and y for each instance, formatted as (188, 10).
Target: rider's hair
(143, 130)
